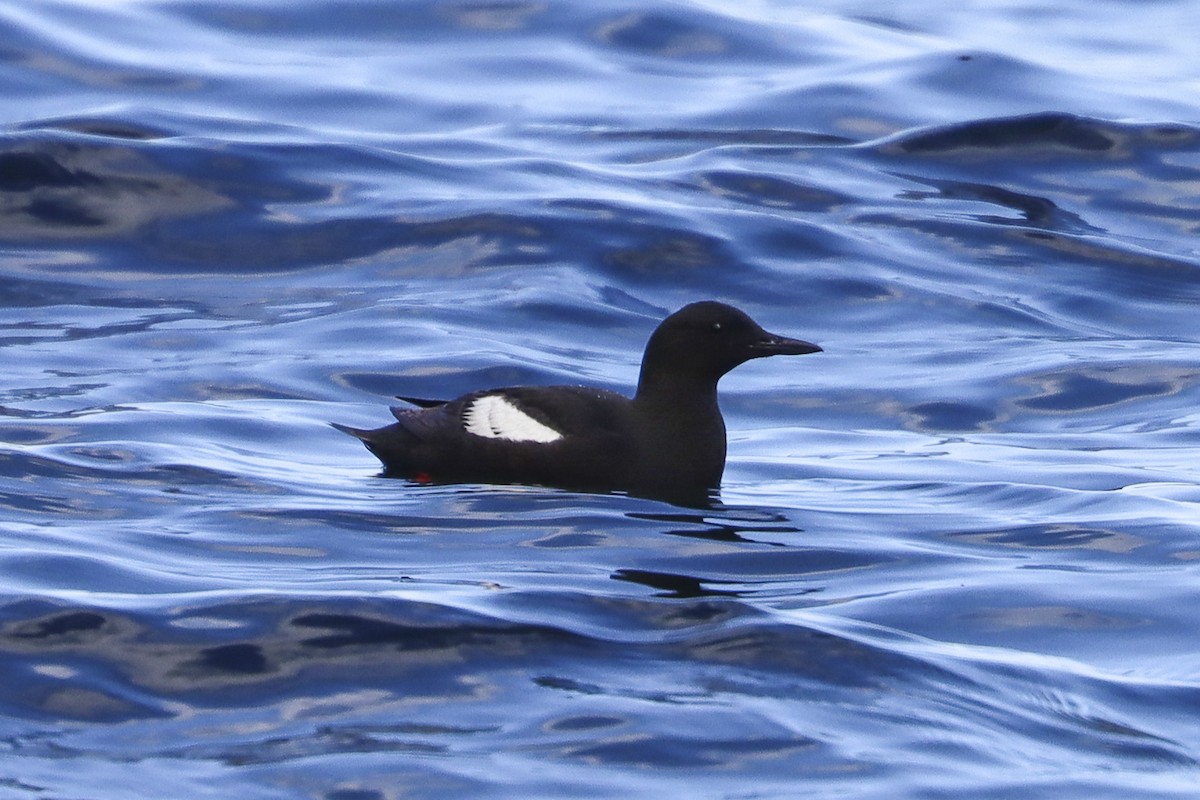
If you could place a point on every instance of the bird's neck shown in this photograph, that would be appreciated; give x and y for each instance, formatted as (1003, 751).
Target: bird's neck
(683, 434)
(681, 392)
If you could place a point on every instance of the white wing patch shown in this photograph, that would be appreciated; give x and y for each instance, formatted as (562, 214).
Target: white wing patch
(495, 417)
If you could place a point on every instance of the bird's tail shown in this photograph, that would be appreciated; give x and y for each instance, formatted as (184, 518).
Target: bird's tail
(358, 433)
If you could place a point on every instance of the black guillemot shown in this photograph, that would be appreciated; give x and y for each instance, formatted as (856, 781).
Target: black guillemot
(667, 443)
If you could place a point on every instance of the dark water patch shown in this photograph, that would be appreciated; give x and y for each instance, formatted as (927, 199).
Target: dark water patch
(1035, 211)
(28, 466)
(109, 467)
(1061, 536)
(663, 752)
(847, 290)
(1062, 620)
(659, 255)
(427, 649)
(101, 126)
(585, 723)
(1077, 274)
(381, 21)
(77, 704)
(1152, 266)
(435, 248)
(1089, 388)
(722, 632)
(319, 519)
(685, 35)
(1040, 150)
(71, 622)
(343, 631)
(31, 293)
(33, 394)
(1035, 132)
(75, 187)
(25, 433)
(671, 585)
(775, 138)
(62, 639)
(60, 187)
(324, 742)
(799, 250)
(62, 212)
(938, 415)
(400, 638)
(770, 191)
(24, 172)
(242, 659)
(570, 540)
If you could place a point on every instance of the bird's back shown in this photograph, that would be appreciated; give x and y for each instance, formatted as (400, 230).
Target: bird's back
(568, 436)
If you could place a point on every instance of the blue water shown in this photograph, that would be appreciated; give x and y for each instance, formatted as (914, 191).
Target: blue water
(959, 552)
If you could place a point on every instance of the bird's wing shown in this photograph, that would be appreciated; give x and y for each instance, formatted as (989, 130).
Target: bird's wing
(420, 402)
(569, 410)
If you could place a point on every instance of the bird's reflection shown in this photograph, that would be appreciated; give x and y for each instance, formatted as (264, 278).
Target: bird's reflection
(719, 524)
(680, 587)
(723, 524)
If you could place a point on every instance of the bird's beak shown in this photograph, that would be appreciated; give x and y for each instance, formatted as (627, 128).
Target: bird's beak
(774, 345)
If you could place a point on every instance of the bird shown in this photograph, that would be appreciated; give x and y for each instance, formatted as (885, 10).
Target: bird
(665, 443)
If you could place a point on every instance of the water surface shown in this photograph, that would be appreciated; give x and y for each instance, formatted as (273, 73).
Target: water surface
(957, 552)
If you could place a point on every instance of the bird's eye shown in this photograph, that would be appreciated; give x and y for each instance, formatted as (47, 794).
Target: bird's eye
(716, 327)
